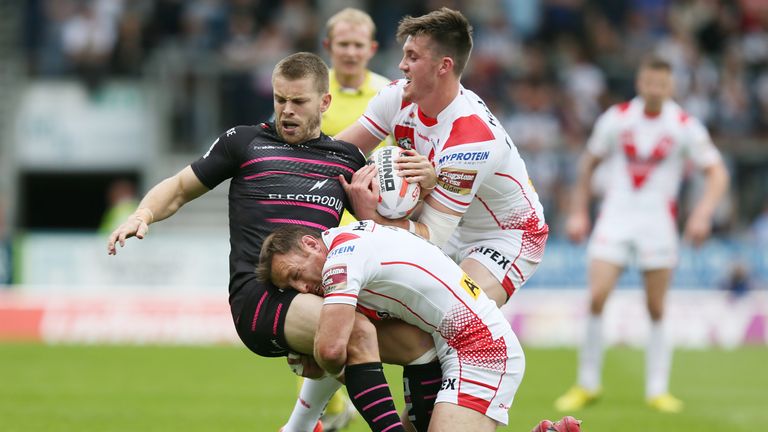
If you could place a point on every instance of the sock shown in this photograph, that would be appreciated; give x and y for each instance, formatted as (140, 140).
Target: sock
(591, 355)
(658, 359)
(369, 391)
(309, 406)
(420, 386)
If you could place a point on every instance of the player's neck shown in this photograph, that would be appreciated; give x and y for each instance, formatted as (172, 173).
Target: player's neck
(652, 110)
(354, 81)
(439, 99)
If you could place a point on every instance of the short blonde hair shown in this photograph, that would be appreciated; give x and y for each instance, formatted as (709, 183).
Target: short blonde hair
(352, 16)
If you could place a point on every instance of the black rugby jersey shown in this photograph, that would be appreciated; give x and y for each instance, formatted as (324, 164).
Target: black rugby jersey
(274, 183)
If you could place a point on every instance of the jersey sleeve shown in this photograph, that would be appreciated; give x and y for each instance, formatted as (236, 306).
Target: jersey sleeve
(470, 155)
(382, 109)
(601, 140)
(346, 271)
(223, 158)
(701, 150)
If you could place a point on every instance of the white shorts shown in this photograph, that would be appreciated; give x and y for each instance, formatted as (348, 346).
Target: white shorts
(512, 256)
(483, 380)
(649, 239)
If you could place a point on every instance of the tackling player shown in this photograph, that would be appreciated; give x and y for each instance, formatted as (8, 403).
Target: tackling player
(282, 173)
(387, 273)
(481, 179)
(646, 143)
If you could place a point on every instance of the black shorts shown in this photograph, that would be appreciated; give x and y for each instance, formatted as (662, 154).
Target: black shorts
(261, 321)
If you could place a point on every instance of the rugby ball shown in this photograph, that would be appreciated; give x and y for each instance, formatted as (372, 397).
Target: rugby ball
(397, 197)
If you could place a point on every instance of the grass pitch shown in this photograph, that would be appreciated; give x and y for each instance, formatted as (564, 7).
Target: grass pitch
(121, 388)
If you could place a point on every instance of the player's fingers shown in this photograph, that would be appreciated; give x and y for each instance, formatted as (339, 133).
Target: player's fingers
(142, 231)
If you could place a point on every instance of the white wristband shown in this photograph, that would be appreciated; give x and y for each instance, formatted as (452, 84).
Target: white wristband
(412, 226)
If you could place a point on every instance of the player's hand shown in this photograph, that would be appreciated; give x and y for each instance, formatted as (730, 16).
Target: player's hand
(363, 192)
(416, 168)
(697, 228)
(305, 366)
(577, 227)
(132, 227)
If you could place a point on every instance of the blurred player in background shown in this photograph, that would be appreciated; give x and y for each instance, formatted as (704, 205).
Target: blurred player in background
(647, 143)
(391, 273)
(351, 44)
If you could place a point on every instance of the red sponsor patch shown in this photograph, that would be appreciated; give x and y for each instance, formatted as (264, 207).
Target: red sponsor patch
(334, 278)
(458, 181)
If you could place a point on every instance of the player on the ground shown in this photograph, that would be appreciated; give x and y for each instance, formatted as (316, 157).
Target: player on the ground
(283, 173)
(390, 273)
(647, 142)
(351, 44)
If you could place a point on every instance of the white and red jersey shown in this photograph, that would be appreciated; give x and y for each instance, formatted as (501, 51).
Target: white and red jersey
(388, 272)
(646, 154)
(480, 172)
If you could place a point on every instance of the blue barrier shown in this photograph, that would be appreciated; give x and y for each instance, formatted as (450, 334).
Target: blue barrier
(565, 266)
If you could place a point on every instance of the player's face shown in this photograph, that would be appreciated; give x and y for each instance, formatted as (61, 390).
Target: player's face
(351, 47)
(420, 66)
(300, 270)
(298, 108)
(654, 86)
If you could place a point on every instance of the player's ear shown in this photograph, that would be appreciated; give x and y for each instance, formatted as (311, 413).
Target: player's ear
(446, 66)
(309, 242)
(325, 102)
(327, 44)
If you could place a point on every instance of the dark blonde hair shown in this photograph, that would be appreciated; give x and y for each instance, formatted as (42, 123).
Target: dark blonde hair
(302, 65)
(449, 30)
(654, 62)
(351, 16)
(283, 240)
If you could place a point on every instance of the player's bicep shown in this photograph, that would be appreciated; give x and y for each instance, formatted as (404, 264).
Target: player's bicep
(358, 135)
(190, 186)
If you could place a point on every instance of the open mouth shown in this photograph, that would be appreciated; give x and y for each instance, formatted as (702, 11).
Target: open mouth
(289, 126)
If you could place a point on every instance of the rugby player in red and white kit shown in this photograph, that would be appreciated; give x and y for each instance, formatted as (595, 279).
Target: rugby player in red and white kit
(646, 144)
(483, 210)
(386, 272)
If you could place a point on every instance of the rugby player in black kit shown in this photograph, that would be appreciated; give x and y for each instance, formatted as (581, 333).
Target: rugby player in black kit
(284, 172)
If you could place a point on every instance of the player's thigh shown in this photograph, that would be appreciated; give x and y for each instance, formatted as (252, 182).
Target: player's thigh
(449, 417)
(603, 276)
(301, 322)
(401, 343)
(656, 283)
(485, 279)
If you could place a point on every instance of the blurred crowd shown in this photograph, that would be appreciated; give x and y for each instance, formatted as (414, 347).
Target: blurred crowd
(547, 68)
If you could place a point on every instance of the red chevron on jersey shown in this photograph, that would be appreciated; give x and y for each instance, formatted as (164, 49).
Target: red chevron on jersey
(640, 168)
(470, 129)
(342, 239)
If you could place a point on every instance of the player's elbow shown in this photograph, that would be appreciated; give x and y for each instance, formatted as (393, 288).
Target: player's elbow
(331, 355)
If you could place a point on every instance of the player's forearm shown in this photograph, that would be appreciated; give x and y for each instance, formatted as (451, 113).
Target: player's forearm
(582, 191)
(717, 180)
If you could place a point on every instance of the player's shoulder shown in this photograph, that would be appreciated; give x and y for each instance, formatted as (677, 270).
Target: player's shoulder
(472, 122)
(334, 145)
(376, 81)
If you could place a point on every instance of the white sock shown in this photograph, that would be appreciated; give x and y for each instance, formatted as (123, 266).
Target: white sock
(658, 359)
(313, 398)
(591, 355)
